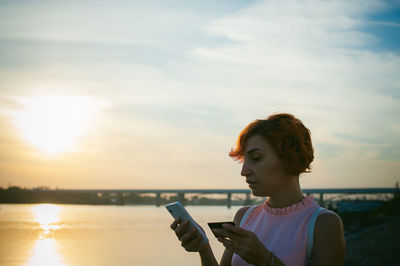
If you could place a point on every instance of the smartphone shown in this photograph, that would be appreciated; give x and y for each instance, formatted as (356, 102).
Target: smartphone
(218, 225)
(176, 209)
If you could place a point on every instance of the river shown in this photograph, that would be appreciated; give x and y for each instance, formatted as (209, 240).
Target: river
(64, 235)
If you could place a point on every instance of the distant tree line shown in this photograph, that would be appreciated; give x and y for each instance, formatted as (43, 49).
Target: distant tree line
(42, 195)
(16, 194)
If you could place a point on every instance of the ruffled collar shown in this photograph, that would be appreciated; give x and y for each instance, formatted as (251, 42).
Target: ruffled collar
(305, 203)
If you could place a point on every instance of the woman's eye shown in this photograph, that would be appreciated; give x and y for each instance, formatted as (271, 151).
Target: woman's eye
(253, 158)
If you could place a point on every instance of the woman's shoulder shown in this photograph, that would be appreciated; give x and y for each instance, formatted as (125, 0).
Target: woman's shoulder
(328, 218)
(244, 211)
(239, 214)
(329, 242)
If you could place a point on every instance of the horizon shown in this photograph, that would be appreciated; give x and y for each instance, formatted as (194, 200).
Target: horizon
(154, 94)
(396, 186)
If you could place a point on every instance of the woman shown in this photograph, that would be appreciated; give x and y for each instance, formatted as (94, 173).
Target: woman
(282, 230)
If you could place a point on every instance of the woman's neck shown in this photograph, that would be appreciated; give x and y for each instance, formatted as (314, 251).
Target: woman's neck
(289, 195)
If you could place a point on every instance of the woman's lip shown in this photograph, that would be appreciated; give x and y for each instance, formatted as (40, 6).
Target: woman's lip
(252, 185)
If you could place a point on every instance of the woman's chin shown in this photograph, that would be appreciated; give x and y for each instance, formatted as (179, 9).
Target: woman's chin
(258, 193)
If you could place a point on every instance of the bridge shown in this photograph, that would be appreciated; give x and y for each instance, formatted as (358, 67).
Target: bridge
(119, 193)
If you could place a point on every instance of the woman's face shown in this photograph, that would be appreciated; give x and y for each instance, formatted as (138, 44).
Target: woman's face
(263, 168)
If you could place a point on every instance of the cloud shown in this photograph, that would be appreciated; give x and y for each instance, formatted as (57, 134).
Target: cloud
(182, 86)
(313, 57)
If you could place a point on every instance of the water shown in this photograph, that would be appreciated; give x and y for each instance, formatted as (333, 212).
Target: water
(63, 235)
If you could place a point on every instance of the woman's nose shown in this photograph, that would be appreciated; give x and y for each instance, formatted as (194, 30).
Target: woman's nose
(245, 169)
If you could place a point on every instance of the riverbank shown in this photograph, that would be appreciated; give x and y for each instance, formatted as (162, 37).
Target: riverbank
(377, 245)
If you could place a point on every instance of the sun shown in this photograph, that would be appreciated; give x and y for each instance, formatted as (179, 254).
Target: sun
(53, 124)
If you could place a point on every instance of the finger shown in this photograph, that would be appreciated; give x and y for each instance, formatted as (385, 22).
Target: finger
(236, 230)
(188, 236)
(228, 234)
(175, 223)
(217, 232)
(182, 229)
(225, 242)
(234, 248)
(230, 242)
(196, 242)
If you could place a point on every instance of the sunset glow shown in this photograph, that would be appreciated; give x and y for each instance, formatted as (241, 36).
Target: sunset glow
(124, 100)
(53, 124)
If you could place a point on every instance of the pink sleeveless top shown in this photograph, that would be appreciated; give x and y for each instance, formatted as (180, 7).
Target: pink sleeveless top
(282, 230)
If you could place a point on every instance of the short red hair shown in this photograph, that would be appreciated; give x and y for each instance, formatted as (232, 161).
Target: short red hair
(287, 135)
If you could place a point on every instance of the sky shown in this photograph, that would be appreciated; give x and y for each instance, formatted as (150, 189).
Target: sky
(153, 94)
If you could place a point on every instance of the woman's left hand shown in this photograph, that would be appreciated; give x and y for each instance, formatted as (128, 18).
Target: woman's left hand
(244, 243)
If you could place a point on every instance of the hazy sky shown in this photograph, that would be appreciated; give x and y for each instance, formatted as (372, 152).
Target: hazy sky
(152, 94)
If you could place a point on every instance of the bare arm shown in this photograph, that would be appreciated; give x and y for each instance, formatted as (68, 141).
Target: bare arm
(329, 243)
(207, 257)
(191, 241)
(226, 258)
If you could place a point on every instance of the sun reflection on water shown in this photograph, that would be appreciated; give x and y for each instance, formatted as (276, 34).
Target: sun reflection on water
(47, 215)
(45, 249)
(45, 253)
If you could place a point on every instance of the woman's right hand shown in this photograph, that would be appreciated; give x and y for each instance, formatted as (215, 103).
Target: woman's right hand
(191, 239)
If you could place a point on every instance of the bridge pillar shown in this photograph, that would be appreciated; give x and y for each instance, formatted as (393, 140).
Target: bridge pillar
(247, 201)
(229, 200)
(181, 198)
(158, 200)
(321, 199)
